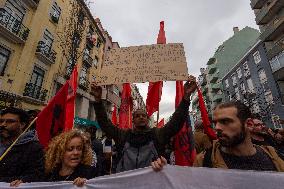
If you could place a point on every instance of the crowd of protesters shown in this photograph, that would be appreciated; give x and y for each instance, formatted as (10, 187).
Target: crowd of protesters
(244, 142)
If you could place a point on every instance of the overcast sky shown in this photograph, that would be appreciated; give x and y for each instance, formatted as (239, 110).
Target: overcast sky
(200, 25)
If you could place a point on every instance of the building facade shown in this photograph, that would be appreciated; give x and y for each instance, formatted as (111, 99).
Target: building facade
(270, 18)
(251, 81)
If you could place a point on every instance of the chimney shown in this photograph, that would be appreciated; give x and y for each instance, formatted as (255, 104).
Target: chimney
(236, 30)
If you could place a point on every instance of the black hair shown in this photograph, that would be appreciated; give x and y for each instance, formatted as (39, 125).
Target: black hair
(24, 117)
(243, 111)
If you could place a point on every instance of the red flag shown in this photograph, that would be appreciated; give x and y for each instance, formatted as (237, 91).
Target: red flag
(114, 116)
(125, 116)
(205, 119)
(153, 97)
(184, 145)
(161, 123)
(155, 88)
(51, 120)
(70, 107)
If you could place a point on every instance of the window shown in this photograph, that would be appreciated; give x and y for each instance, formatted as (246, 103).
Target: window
(83, 75)
(81, 17)
(256, 57)
(269, 97)
(4, 57)
(36, 82)
(239, 72)
(47, 40)
(250, 85)
(246, 69)
(237, 93)
(227, 83)
(55, 12)
(243, 88)
(262, 76)
(234, 78)
(76, 40)
(277, 62)
(13, 15)
(255, 106)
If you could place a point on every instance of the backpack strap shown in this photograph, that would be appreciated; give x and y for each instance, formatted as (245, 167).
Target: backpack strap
(207, 162)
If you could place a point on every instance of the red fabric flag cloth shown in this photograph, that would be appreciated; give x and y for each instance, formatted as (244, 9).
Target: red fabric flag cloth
(114, 116)
(205, 119)
(153, 97)
(70, 107)
(125, 113)
(51, 120)
(183, 142)
(161, 123)
(155, 88)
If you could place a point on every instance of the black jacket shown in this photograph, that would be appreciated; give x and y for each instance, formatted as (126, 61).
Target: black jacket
(162, 135)
(83, 171)
(25, 161)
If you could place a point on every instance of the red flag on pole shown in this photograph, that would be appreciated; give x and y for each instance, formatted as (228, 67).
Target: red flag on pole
(70, 107)
(114, 116)
(184, 145)
(155, 88)
(51, 120)
(58, 115)
(161, 123)
(125, 113)
(205, 119)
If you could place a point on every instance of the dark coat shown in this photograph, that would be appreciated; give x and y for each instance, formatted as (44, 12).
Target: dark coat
(25, 161)
(161, 136)
(83, 171)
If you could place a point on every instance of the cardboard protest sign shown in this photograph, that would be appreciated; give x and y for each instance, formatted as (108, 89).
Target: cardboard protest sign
(144, 63)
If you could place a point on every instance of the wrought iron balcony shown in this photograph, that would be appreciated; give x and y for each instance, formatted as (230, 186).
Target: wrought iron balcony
(32, 3)
(12, 28)
(87, 59)
(45, 53)
(84, 83)
(34, 91)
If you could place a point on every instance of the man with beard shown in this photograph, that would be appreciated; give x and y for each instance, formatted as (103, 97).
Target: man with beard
(234, 148)
(141, 145)
(25, 161)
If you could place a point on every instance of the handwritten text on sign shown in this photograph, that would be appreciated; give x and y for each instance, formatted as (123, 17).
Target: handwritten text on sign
(144, 63)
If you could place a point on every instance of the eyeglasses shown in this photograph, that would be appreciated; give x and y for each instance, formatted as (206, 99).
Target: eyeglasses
(8, 121)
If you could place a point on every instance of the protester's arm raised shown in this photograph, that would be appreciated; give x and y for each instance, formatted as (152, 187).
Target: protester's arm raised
(180, 115)
(101, 115)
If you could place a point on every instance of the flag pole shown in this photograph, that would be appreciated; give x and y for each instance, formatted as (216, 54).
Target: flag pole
(10, 147)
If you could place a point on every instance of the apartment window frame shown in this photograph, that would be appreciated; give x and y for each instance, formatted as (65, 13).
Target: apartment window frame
(55, 12)
(227, 84)
(234, 79)
(255, 106)
(4, 53)
(256, 57)
(277, 62)
(246, 69)
(243, 87)
(237, 93)
(239, 73)
(269, 97)
(250, 85)
(262, 76)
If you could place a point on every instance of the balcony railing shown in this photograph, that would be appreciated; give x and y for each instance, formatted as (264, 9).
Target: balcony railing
(87, 59)
(257, 4)
(84, 83)
(267, 12)
(34, 91)
(276, 49)
(45, 53)
(212, 68)
(32, 3)
(213, 77)
(12, 28)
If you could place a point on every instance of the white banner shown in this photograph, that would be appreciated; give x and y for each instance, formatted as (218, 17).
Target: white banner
(174, 177)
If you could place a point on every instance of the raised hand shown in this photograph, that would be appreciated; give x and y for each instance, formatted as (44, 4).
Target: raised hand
(189, 87)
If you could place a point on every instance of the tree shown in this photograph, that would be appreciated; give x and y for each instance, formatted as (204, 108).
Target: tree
(70, 37)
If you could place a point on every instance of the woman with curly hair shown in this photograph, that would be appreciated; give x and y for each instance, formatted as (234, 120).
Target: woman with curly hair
(69, 157)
